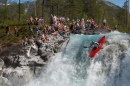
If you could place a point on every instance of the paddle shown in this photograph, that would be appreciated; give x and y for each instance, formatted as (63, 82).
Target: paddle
(86, 47)
(89, 47)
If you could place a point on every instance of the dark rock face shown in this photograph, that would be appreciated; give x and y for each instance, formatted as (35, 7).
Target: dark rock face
(14, 55)
(27, 60)
(12, 50)
(1, 63)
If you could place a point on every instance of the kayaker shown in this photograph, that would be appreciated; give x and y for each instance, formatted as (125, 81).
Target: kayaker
(93, 45)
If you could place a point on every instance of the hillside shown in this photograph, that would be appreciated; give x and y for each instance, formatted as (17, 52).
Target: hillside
(116, 7)
(74, 9)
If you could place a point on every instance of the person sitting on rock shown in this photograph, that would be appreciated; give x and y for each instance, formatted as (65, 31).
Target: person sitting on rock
(46, 39)
(32, 41)
(7, 30)
(24, 41)
(42, 36)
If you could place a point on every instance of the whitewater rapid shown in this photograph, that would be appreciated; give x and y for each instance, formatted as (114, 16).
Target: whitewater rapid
(72, 67)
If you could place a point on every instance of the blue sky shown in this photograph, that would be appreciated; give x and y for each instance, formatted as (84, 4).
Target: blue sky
(117, 2)
(20, 0)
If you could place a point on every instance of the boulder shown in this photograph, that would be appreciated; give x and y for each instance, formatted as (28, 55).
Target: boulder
(1, 63)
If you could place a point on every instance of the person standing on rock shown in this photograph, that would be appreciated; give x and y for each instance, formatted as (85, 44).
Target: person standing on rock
(24, 41)
(46, 38)
(32, 41)
(37, 30)
(92, 24)
(7, 30)
(115, 27)
(104, 22)
(15, 31)
(31, 30)
(31, 20)
(43, 37)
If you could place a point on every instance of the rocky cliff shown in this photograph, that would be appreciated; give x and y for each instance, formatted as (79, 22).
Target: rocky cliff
(19, 64)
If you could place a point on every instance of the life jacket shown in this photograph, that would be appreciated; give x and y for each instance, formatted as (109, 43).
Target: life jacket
(92, 22)
(46, 39)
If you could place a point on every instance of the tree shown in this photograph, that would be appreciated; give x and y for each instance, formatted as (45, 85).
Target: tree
(3, 1)
(120, 16)
(94, 9)
(76, 8)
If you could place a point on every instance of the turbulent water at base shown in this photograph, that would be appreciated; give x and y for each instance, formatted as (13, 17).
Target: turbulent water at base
(72, 67)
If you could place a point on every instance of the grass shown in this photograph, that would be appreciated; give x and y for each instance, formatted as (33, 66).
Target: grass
(12, 39)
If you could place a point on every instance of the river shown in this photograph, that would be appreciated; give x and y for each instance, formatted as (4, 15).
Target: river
(72, 66)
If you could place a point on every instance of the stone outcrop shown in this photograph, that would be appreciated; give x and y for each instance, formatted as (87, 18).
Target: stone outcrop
(1, 64)
(19, 64)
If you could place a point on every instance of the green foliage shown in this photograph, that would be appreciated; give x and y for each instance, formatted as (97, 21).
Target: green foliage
(121, 16)
(85, 16)
(92, 9)
(3, 1)
(2, 25)
(24, 31)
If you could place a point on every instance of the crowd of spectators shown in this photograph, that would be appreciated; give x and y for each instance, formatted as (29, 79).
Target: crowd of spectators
(57, 25)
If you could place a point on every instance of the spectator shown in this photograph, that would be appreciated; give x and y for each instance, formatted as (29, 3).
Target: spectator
(115, 27)
(104, 22)
(7, 30)
(51, 20)
(32, 41)
(42, 37)
(36, 21)
(89, 22)
(24, 41)
(41, 21)
(16, 31)
(37, 30)
(31, 20)
(92, 24)
(86, 26)
(31, 30)
(46, 38)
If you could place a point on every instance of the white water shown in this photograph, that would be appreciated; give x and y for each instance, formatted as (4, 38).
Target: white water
(72, 67)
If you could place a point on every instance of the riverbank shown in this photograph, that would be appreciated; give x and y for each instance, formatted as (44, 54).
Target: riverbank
(44, 50)
(29, 59)
(17, 61)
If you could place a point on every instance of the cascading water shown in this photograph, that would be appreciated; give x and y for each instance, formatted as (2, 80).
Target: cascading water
(72, 67)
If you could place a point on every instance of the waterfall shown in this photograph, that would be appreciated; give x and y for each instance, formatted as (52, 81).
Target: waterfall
(72, 66)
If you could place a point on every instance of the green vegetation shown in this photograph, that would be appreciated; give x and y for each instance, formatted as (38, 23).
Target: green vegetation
(92, 9)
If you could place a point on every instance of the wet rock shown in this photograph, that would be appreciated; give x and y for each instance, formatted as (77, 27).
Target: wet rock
(41, 51)
(22, 64)
(1, 64)
(33, 51)
(44, 57)
(5, 82)
(39, 43)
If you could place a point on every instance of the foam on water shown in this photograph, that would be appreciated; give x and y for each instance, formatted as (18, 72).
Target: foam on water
(72, 67)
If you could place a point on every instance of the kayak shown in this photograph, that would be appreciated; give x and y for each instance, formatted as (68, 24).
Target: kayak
(96, 50)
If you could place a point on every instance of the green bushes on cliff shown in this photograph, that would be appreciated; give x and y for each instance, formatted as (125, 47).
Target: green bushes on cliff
(92, 9)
